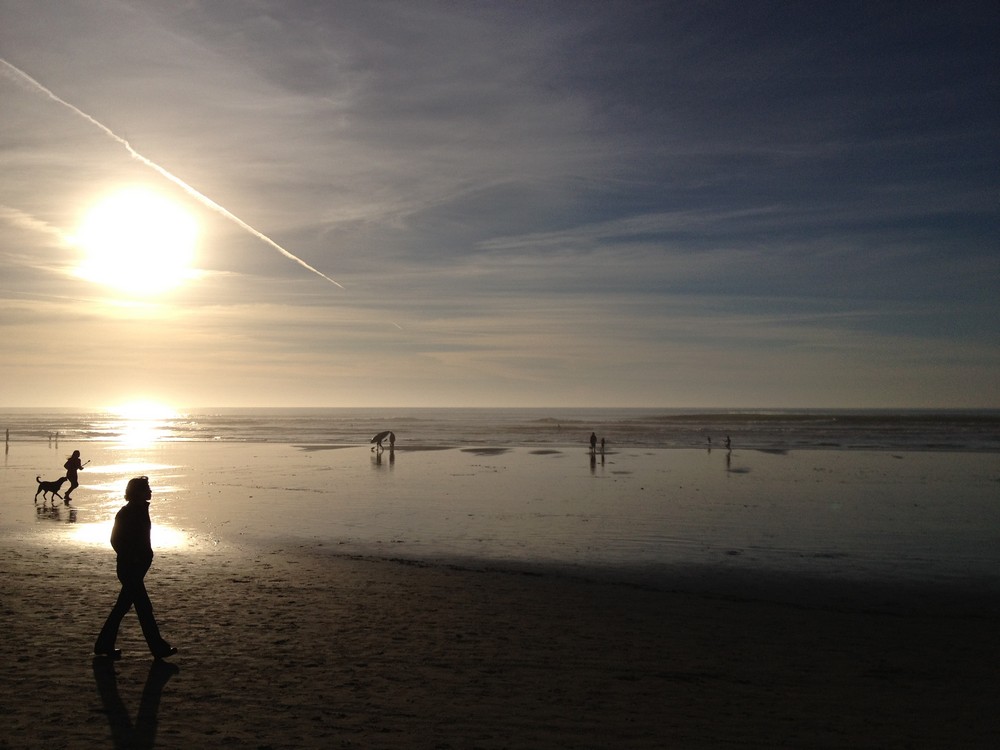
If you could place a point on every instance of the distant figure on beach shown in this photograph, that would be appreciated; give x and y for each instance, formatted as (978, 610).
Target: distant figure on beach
(130, 540)
(729, 445)
(602, 446)
(73, 465)
(382, 436)
(593, 443)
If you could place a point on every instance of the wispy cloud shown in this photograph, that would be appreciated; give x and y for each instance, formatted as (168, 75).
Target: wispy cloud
(22, 220)
(556, 202)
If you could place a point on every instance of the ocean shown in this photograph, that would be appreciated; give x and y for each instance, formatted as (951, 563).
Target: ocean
(775, 429)
(894, 497)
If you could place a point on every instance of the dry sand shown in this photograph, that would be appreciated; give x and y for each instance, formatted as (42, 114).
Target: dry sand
(299, 648)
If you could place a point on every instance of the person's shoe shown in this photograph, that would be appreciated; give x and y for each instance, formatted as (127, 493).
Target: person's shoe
(164, 652)
(108, 653)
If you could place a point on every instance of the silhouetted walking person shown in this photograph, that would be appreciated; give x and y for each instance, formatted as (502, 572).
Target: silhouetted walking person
(73, 465)
(593, 443)
(130, 539)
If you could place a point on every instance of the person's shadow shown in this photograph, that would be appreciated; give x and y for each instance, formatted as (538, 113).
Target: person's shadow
(142, 734)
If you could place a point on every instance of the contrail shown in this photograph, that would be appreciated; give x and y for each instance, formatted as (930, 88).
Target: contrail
(201, 198)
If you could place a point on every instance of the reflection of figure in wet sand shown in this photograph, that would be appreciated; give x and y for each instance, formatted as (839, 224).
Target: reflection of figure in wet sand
(130, 539)
(377, 458)
(54, 513)
(124, 733)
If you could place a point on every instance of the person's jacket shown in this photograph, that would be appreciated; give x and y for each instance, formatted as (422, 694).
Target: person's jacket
(130, 535)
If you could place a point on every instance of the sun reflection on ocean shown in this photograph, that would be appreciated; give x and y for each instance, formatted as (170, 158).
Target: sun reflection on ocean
(141, 424)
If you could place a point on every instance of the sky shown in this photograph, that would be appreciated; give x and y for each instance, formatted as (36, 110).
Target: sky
(579, 203)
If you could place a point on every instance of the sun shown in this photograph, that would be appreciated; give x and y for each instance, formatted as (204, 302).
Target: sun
(138, 242)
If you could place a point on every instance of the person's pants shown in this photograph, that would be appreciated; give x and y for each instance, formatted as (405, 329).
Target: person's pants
(133, 593)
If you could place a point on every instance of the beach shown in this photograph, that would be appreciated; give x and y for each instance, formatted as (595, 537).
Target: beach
(295, 648)
(396, 634)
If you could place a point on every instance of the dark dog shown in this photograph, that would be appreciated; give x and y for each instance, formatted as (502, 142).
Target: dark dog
(47, 487)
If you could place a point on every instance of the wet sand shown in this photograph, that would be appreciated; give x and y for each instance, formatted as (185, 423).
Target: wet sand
(301, 648)
(850, 515)
(306, 643)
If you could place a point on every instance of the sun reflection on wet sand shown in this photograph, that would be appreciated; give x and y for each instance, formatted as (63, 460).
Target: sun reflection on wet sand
(99, 534)
(129, 468)
(107, 496)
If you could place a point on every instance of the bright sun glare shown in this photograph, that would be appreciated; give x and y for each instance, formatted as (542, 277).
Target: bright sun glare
(142, 423)
(138, 242)
(144, 411)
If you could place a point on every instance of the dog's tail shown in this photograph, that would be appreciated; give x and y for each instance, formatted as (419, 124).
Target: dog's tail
(38, 479)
